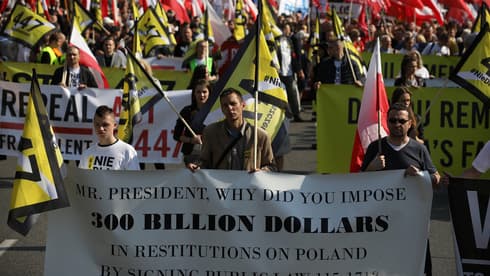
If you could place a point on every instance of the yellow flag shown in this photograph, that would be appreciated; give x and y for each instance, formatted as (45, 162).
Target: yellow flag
(269, 24)
(134, 9)
(240, 21)
(151, 32)
(83, 17)
(162, 16)
(96, 8)
(240, 76)
(482, 18)
(473, 70)
(315, 41)
(136, 41)
(351, 50)
(25, 26)
(208, 29)
(131, 109)
(38, 183)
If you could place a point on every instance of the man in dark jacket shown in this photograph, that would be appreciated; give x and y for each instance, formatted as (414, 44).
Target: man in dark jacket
(73, 74)
(337, 69)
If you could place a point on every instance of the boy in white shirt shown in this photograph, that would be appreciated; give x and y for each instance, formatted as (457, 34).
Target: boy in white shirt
(109, 153)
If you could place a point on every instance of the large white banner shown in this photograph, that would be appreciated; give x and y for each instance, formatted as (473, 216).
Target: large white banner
(71, 112)
(235, 223)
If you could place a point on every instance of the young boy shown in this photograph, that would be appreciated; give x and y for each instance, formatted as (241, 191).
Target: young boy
(109, 153)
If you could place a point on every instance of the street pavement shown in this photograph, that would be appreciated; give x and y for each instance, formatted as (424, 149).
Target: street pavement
(22, 256)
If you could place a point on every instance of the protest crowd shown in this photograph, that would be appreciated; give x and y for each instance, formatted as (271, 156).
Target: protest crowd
(309, 48)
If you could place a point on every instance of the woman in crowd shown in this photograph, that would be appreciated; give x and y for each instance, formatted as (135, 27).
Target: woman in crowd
(191, 144)
(404, 96)
(421, 71)
(408, 77)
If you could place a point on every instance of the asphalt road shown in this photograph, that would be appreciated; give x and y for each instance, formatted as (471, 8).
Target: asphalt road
(23, 256)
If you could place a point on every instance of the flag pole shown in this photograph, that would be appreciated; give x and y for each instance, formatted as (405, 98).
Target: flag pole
(159, 89)
(256, 84)
(347, 53)
(378, 103)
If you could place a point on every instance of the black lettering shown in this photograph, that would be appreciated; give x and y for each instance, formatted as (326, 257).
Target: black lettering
(86, 118)
(353, 110)
(445, 147)
(480, 115)
(21, 77)
(422, 107)
(486, 62)
(442, 71)
(71, 110)
(461, 115)
(447, 110)
(8, 101)
(23, 101)
(467, 154)
(382, 222)
(54, 106)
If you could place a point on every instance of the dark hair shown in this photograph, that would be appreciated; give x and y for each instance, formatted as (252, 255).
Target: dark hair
(198, 83)
(55, 36)
(399, 107)
(109, 38)
(198, 74)
(229, 91)
(407, 59)
(103, 110)
(403, 107)
(398, 93)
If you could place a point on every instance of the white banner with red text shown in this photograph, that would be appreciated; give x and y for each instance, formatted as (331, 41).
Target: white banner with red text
(71, 112)
(216, 222)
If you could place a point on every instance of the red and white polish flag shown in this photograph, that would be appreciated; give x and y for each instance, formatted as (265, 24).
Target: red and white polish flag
(87, 58)
(370, 126)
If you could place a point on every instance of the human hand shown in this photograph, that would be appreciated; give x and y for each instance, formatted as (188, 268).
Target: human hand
(358, 83)
(316, 85)
(412, 171)
(377, 163)
(196, 140)
(193, 167)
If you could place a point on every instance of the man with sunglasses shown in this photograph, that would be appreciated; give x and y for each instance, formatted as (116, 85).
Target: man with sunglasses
(398, 150)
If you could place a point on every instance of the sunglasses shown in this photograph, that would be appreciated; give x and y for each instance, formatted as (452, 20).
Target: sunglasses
(394, 121)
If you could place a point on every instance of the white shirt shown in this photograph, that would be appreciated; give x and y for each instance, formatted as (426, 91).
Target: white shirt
(482, 160)
(117, 156)
(286, 58)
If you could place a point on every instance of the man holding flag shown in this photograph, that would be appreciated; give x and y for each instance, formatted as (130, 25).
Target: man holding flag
(228, 144)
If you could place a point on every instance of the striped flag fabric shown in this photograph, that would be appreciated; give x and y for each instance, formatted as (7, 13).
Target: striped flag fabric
(87, 58)
(371, 123)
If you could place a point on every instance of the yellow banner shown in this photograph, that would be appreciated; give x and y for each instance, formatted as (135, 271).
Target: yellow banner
(456, 127)
(20, 72)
